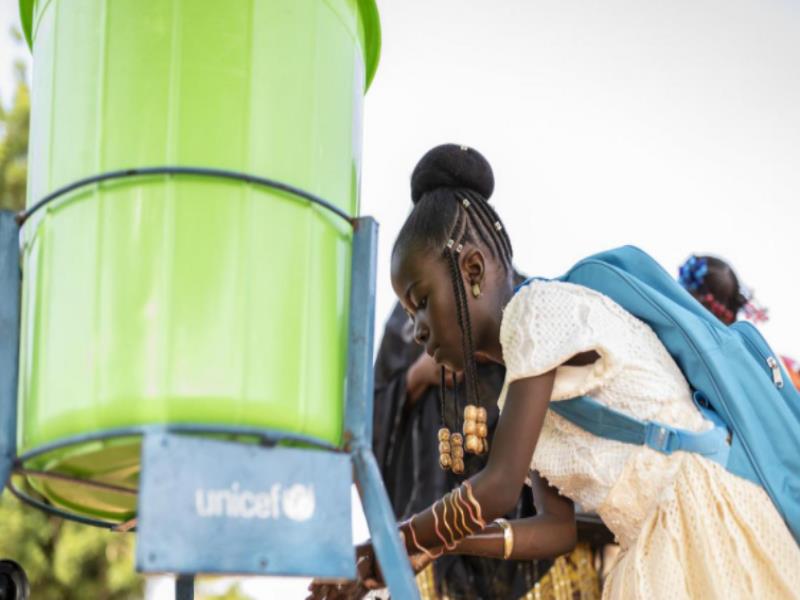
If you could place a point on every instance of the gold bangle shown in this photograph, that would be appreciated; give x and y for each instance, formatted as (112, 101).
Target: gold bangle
(459, 512)
(471, 497)
(419, 546)
(460, 500)
(456, 527)
(447, 525)
(508, 537)
(469, 510)
(436, 529)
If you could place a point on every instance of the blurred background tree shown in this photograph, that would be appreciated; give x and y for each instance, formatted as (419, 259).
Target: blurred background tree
(14, 129)
(63, 560)
(66, 560)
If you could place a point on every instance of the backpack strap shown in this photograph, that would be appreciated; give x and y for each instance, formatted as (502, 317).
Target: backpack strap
(602, 421)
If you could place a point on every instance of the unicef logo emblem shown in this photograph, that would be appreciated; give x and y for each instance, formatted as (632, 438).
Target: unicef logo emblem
(298, 502)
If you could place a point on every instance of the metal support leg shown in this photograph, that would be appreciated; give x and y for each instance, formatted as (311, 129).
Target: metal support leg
(380, 517)
(184, 587)
(9, 341)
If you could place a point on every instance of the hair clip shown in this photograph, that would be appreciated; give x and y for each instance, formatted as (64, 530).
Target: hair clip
(692, 273)
(459, 248)
(498, 226)
(450, 243)
(465, 202)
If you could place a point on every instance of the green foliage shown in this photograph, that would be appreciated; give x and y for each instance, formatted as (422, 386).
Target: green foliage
(66, 560)
(14, 146)
(63, 560)
(232, 593)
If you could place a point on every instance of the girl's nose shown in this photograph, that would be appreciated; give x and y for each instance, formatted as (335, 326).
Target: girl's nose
(421, 333)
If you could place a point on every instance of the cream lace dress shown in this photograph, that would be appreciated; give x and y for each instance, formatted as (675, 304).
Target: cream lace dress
(687, 527)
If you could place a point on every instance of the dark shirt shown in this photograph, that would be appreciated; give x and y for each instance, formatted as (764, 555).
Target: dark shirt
(407, 449)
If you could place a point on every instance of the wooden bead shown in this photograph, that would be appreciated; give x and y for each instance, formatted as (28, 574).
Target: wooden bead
(445, 461)
(481, 430)
(482, 415)
(458, 466)
(473, 444)
(457, 452)
(470, 412)
(470, 427)
(444, 447)
(457, 440)
(444, 434)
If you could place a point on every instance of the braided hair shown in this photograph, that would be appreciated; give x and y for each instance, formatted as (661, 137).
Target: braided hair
(450, 189)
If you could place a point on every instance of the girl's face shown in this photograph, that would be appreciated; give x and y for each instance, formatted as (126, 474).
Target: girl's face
(423, 284)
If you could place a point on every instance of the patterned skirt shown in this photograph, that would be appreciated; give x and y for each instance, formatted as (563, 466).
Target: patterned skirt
(572, 577)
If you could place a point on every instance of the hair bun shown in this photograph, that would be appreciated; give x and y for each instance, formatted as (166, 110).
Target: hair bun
(452, 166)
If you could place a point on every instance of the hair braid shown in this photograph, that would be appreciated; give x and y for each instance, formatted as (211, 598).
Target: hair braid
(482, 226)
(485, 224)
(450, 187)
(501, 234)
(461, 233)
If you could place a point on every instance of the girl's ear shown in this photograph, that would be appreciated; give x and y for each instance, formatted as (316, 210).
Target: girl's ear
(473, 266)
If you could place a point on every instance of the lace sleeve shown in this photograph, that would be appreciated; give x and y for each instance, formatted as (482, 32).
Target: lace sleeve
(549, 322)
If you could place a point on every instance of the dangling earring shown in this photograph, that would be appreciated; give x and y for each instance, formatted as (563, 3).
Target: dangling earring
(476, 290)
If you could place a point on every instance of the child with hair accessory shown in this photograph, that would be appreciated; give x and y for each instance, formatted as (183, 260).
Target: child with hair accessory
(687, 526)
(714, 283)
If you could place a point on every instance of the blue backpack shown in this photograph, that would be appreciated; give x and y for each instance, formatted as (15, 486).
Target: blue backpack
(738, 380)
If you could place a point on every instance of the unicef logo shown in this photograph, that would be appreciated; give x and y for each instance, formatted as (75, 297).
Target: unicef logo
(298, 502)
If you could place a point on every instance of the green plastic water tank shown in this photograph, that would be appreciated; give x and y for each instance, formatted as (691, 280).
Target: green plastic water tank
(179, 299)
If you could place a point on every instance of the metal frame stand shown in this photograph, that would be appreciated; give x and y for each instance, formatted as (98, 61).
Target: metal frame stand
(359, 395)
(184, 587)
(358, 422)
(9, 342)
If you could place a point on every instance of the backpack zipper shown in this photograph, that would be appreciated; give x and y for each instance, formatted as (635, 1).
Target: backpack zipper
(777, 377)
(748, 332)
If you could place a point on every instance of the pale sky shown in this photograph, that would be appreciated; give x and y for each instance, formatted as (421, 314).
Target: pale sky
(674, 126)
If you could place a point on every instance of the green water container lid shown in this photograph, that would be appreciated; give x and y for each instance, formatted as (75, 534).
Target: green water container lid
(370, 21)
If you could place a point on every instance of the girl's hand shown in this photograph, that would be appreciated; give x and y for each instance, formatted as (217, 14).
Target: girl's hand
(369, 578)
(352, 590)
(419, 562)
